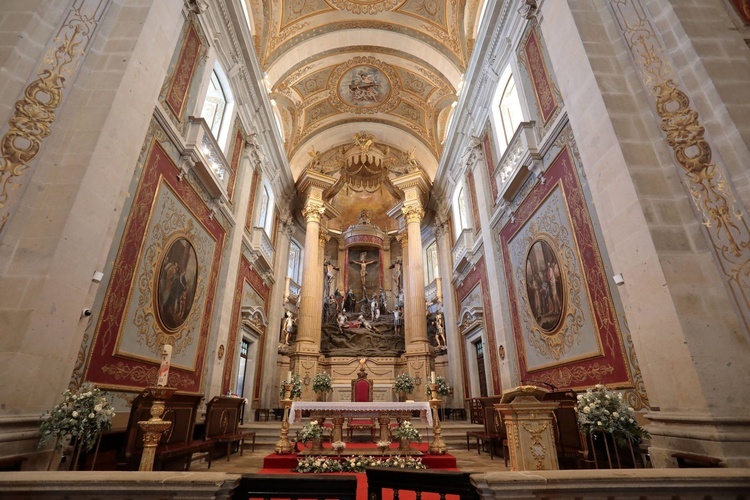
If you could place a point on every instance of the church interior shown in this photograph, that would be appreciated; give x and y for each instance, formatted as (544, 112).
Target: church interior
(500, 202)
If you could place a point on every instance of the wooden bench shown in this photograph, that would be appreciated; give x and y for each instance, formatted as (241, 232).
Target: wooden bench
(12, 463)
(295, 486)
(177, 446)
(222, 423)
(419, 481)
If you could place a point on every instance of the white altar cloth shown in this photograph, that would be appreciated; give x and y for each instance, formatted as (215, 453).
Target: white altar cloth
(359, 410)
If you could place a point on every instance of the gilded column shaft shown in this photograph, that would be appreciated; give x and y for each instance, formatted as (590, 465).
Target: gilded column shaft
(311, 294)
(415, 309)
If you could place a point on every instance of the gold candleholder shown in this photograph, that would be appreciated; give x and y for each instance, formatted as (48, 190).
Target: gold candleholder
(154, 427)
(283, 446)
(437, 447)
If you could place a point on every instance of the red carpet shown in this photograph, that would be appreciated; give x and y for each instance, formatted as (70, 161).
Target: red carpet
(285, 463)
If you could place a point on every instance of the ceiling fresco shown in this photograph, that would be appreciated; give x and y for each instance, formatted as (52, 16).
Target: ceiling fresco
(390, 68)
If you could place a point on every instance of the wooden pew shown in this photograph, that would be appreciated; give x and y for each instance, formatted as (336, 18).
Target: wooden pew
(494, 434)
(222, 423)
(295, 486)
(419, 481)
(177, 446)
(572, 449)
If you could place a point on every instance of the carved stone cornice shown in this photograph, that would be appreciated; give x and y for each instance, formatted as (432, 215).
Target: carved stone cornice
(415, 186)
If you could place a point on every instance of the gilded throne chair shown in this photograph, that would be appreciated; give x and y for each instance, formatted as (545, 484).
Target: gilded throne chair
(361, 393)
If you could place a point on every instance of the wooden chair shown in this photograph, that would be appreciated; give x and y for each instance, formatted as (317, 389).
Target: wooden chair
(494, 435)
(361, 393)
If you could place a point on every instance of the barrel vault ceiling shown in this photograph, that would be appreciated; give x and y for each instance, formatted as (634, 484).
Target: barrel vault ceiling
(390, 68)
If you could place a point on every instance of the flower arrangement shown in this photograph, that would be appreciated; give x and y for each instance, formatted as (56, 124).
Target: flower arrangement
(601, 409)
(383, 445)
(443, 388)
(317, 465)
(338, 446)
(407, 431)
(404, 383)
(296, 391)
(311, 431)
(322, 383)
(82, 415)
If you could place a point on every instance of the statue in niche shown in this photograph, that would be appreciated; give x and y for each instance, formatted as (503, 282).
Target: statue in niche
(440, 330)
(396, 276)
(330, 276)
(397, 320)
(288, 327)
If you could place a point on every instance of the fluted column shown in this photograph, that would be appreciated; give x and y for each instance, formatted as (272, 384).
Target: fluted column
(414, 296)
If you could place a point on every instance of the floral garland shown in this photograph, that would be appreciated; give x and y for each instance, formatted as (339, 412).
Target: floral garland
(443, 388)
(296, 391)
(322, 383)
(317, 465)
(311, 431)
(601, 409)
(82, 415)
(404, 383)
(407, 431)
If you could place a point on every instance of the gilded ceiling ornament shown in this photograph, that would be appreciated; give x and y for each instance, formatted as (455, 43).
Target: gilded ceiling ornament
(366, 6)
(723, 216)
(364, 85)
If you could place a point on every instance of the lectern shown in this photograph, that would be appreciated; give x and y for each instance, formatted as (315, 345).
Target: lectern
(530, 426)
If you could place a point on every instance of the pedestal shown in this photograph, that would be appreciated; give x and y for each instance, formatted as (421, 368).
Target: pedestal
(530, 426)
(283, 446)
(437, 447)
(154, 427)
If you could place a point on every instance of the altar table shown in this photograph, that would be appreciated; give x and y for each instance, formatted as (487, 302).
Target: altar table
(381, 410)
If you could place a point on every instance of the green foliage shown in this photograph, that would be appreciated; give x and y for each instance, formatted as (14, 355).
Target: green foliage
(82, 416)
(317, 465)
(601, 409)
(443, 388)
(322, 383)
(407, 431)
(296, 391)
(404, 383)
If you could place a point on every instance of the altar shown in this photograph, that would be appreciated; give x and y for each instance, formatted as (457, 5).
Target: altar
(381, 410)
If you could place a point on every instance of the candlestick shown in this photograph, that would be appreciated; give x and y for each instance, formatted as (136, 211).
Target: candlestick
(166, 357)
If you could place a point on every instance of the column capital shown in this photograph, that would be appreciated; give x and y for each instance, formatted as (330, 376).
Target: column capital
(313, 211)
(402, 238)
(413, 213)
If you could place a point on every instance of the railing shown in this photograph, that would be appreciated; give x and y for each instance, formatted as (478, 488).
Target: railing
(261, 243)
(462, 249)
(512, 171)
(210, 164)
(718, 483)
(431, 291)
(291, 289)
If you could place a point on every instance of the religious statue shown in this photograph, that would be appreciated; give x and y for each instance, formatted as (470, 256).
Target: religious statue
(366, 324)
(350, 303)
(374, 308)
(341, 321)
(397, 320)
(363, 266)
(383, 302)
(440, 330)
(364, 216)
(288, 326)
(396, 276)
(330, 275)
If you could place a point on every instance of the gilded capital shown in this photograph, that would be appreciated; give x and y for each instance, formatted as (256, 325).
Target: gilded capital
(412, 213)
(313, 211)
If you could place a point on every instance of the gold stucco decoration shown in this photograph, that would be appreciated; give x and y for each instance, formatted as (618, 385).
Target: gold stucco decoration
(366, 6)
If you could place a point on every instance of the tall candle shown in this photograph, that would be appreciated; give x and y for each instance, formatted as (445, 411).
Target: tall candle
(289, 377)
(166, 357)
(432, 377)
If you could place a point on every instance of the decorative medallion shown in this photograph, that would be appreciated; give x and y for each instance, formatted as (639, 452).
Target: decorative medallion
(364, 85)
(176, 285)
(544, 286)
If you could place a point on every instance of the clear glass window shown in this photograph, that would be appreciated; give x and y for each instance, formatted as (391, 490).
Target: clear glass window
(214, 105)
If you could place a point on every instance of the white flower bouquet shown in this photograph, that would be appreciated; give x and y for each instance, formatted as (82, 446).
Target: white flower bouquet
(296, 391)
(601, 409)
(407, 431)
(318, 465)
(322, 383)
(82, 415)
(443, 388)
(338, 446)
(311, 431)
(404, 383)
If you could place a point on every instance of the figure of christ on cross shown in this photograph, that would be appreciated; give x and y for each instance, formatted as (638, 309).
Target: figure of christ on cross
(363, 268)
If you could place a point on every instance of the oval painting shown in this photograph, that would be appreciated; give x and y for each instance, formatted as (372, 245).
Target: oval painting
(544, 286)
(178, 278)
(364, 87)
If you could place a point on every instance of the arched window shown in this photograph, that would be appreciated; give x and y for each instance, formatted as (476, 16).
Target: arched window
(215, 105)
(431, 263)
(295, 260)
(508, 114)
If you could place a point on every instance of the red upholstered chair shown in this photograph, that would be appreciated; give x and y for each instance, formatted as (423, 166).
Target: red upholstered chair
(361, 393)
